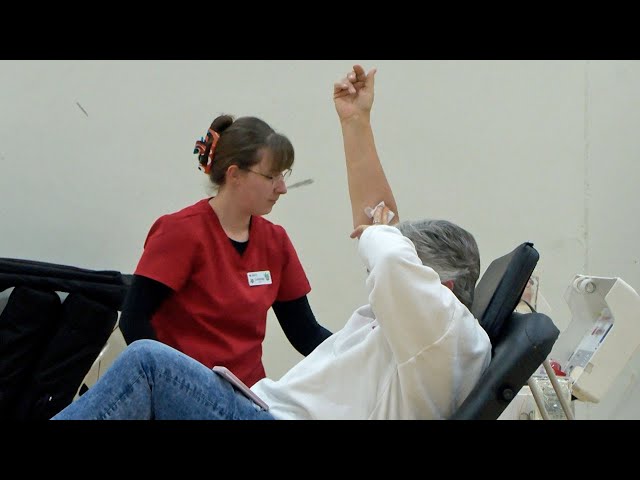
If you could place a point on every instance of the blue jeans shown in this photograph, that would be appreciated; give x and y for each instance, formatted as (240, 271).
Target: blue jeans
(152, 381)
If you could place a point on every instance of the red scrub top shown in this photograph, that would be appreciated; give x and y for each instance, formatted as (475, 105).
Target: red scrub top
(218, 312)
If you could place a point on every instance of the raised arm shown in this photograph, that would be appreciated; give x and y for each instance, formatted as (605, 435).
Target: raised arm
(368, 185)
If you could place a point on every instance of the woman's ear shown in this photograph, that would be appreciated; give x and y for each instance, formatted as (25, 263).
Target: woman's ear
(448, 284)
(233, 173)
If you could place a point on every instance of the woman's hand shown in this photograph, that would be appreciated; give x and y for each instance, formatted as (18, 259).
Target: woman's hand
(380, 217)
(353, 95)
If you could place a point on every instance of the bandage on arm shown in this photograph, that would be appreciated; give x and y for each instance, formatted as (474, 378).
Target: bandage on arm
(370, 212)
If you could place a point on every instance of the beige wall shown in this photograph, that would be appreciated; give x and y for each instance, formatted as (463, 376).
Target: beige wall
(545, 151)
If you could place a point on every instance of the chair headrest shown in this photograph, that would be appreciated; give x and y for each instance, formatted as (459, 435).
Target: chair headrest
(500, 288)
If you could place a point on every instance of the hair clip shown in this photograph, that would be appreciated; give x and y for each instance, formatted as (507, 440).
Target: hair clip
(206, 150)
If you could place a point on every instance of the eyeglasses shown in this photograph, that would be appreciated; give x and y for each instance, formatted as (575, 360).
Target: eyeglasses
(274, 178)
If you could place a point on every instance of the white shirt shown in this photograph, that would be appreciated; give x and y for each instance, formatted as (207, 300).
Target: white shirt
(415, 352)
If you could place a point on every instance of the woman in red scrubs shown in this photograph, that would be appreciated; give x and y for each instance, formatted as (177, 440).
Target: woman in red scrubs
(210, 272)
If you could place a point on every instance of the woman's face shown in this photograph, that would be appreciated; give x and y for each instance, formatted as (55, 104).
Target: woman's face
(262, 186)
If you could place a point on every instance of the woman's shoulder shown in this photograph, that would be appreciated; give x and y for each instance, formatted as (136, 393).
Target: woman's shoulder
(201, 207)
(268, 227)
(180, 220)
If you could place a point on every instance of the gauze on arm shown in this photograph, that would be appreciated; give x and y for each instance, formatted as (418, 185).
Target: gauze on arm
(369, 212)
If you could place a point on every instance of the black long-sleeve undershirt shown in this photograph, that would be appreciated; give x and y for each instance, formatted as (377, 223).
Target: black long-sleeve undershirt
(145, 296)
(141, 302)
(299, 324)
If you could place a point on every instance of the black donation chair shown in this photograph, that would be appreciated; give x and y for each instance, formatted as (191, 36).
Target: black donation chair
(521, 342)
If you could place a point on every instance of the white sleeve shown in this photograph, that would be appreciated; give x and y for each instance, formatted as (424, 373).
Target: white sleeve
(410, 303)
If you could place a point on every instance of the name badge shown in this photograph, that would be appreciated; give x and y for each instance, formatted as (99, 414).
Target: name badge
(259, 278)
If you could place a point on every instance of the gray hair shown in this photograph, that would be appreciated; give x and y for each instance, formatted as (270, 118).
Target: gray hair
(450, 250)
